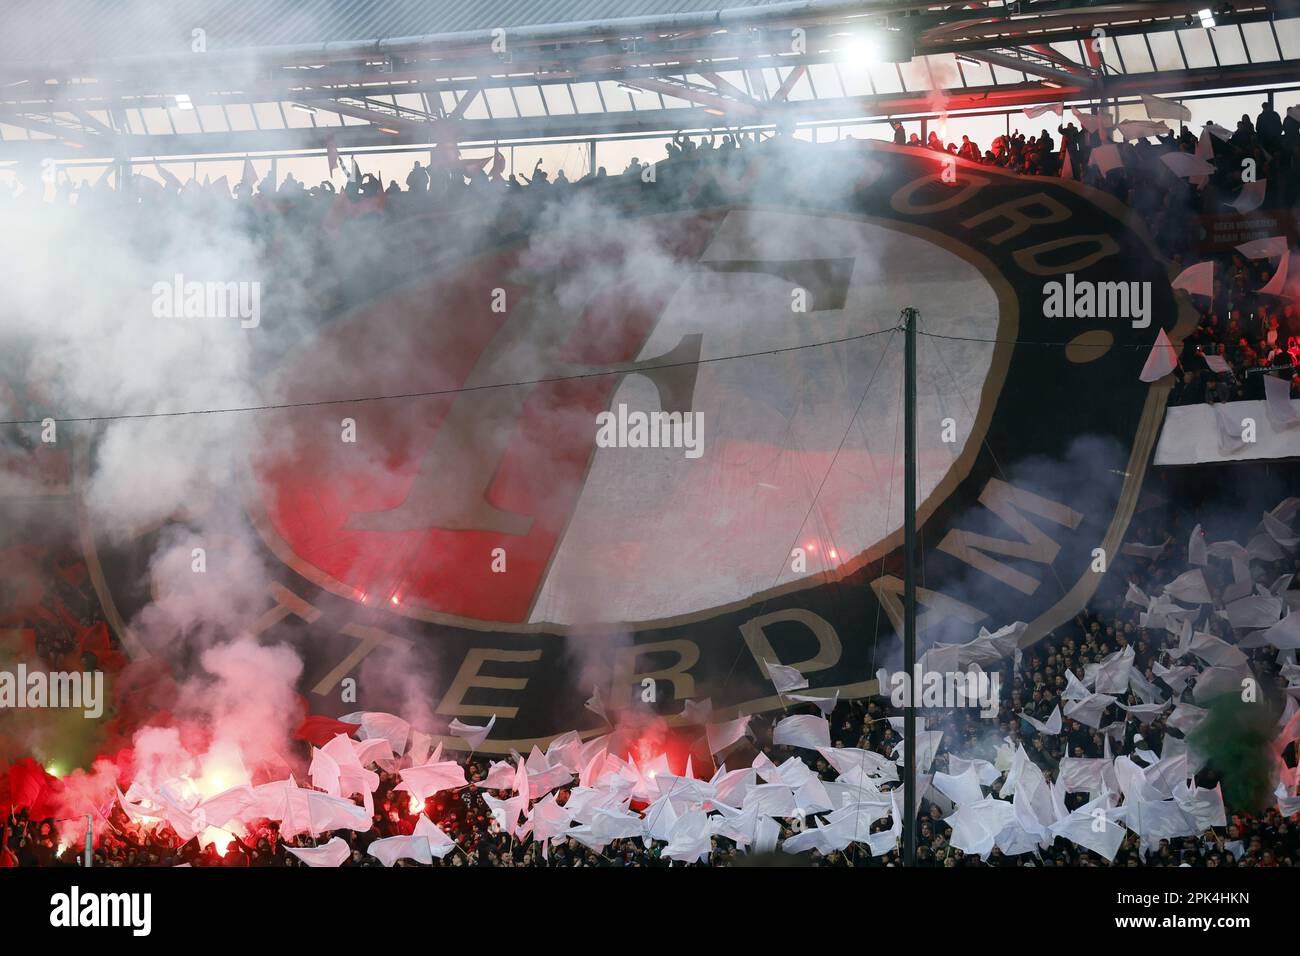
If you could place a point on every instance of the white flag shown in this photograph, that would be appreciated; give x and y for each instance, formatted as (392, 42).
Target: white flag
(1189, 587)
(785, 678)
(1033, 112)
(1277, 284)
(1162, 109)
(388, 851)
(1088, 711)
(1092, 122)
(1196, 280)
(1251, 196)
(1185, 165)
(377, 724)
(697, 711)
(1274, 247)
(424, 781)
(1051, 726)
(825, 704)
(1106, 158)
(596, 705)
(1141, 129)
(333, 853)
(802, 730)
(1162, 360)
(722, 736)
(474, 736)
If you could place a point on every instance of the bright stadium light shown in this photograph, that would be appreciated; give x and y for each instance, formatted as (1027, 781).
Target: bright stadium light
(1207, 18)
(861, 49)
(876, 46)
(183, 101)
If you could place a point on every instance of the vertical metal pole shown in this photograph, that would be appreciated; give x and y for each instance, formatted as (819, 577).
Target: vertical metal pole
(909, 586)
(89, 840)
(1101, 89)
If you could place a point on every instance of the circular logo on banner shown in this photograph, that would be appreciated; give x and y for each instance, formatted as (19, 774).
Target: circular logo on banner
(664, 419)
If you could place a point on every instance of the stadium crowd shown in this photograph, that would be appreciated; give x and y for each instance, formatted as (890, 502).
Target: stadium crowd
(1033, 683)
(1253, 332)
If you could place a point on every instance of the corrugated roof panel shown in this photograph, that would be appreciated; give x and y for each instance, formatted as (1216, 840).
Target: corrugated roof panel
(103, 29)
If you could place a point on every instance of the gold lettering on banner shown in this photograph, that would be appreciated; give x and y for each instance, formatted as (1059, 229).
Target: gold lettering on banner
(829, 648)
(1007, 502)
(1013, 212)
(453, 702)
(889, 591)
(1027, 259)
(901, 201)
(371, 638)
(625, 674)
(286, 603)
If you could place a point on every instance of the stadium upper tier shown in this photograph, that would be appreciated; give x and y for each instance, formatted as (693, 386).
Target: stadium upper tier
(115, 80)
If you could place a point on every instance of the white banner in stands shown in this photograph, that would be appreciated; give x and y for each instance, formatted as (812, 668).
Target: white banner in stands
(1191, 435)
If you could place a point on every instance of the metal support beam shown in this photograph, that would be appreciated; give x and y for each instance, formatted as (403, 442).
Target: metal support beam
(1028, 66)
(78, 137)
(730, 90)
(465, 102)
(647, 122)
(709, 100)
(93, 124)
(1060, 59)
(788, 84)
(391, 120)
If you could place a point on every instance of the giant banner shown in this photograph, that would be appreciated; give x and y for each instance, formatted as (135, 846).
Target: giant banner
(632, 441)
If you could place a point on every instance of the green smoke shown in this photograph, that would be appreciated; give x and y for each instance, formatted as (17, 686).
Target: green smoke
(1237, 738)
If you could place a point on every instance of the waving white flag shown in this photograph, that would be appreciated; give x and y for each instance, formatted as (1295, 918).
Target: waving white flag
(474, 736)
(785, 678)
(333, 853)
(802, 730)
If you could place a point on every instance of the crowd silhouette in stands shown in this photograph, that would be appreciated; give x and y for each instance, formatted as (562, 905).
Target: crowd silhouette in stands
(1254, 333)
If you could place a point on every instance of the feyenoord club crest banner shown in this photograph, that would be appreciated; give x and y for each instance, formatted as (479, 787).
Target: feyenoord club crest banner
(646, 435)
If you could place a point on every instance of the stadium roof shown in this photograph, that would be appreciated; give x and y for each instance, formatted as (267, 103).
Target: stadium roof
(132, 78)
(104, 29)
